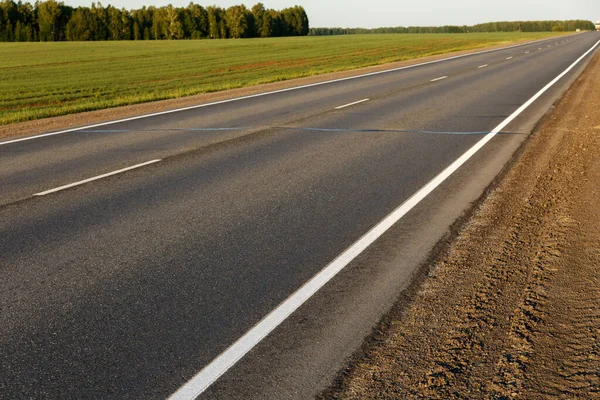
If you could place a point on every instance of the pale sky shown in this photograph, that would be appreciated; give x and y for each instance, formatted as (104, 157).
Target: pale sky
(379, 13)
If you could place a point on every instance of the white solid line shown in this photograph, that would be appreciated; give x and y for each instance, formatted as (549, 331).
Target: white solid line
(509, 58)
(352, 104)
(58, 189)
(482, 66)
(439, 79)
(209, 374)
(263, 94)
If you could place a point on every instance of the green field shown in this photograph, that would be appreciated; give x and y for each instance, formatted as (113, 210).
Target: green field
(48, 79)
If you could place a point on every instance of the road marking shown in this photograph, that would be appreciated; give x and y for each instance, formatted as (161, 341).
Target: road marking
(439, 79)
(217, 367)
(263, 94)
(482, 66)
(540, 48)
(58, 189)
(509, 58)
(352, 104)
(527, 52)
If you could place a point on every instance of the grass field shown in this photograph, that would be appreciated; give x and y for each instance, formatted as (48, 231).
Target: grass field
(48, 79)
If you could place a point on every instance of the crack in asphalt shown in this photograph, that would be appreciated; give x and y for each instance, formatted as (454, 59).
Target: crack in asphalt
(340, 130)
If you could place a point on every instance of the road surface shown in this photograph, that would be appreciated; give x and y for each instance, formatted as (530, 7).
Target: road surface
(134, 253)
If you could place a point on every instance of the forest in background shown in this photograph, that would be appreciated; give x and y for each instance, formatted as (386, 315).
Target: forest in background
(54, 21)
(504, 26)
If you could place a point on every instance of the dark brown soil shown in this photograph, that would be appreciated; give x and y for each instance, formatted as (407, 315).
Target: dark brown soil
(511, 309)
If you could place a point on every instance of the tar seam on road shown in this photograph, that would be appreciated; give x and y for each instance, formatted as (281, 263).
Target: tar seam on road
(352, 104)
(216, 368)
(264, 94)
(302, 128)
(58, 189)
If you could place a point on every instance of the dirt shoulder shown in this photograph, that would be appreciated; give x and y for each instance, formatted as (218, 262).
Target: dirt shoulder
(111, 114)
(511, 308)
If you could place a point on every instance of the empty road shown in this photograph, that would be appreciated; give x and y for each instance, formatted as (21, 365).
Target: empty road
(133, 254)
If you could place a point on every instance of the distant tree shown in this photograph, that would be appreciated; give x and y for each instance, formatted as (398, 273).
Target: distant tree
(126, 25)
(8, 19)
(17, 36)
(119, 24)
(302, 23)
(48, 13)
(258, 12)
(99, 19)
(2, 24)
(174, 26)
(80, 24)
(25, 19)
(195, 21)
(8, 32)
(271, 24)
(136, 31)
(294, 22)
(143, 19)
(287, 22)
(239, 21)
(216, 21)
(159, 23)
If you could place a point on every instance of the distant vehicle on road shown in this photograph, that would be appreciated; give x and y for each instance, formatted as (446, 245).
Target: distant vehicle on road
(598, 25)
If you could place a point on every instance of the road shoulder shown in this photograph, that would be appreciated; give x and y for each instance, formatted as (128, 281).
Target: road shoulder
(510, 309)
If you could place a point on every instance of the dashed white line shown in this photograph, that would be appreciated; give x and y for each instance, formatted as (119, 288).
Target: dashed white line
(540, 48)
(482, 66)
(58, 189)
(352, 104)
(527, 52)
(210, 373)
(509, 58)
(438, 79)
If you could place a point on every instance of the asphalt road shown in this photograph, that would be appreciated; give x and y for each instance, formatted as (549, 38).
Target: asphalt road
(127, 286)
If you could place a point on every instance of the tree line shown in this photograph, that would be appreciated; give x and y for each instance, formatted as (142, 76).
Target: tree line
(505, 26)
(54, 21)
